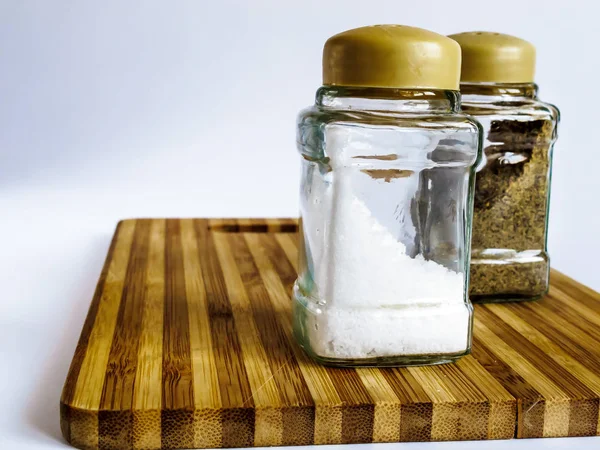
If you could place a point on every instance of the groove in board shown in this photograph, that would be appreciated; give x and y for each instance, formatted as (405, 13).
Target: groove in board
(188, 344)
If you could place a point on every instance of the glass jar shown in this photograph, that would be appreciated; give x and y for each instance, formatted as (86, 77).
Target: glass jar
(386, 203)
(509, 256)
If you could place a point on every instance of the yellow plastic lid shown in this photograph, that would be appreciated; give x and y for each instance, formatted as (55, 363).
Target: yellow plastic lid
(495, 58)
(391, 56)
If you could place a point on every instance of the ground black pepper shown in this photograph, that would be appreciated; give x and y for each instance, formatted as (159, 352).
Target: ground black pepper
(509, 258)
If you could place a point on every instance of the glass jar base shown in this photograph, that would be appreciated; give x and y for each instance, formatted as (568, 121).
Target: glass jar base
(388, 361)
(504, 275)
(409, 335)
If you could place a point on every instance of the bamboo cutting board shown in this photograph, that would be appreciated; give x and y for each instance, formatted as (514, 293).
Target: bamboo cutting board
(188, 343)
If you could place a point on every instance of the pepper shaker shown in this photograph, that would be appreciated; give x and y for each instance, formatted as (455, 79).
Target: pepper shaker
(509, 258)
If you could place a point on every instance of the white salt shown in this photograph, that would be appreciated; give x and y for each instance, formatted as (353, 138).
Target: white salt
(380, 301)
(369, 267)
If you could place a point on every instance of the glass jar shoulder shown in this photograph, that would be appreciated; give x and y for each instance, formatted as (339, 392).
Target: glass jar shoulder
(392, 137)
(322, 117)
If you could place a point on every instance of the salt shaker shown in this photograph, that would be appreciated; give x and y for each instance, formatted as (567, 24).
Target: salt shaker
(509, 259)
(388, 166)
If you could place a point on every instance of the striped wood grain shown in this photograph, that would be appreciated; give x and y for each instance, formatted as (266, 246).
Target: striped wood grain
(187, 344)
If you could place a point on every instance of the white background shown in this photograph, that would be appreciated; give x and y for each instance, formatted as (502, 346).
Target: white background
(113, 109)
